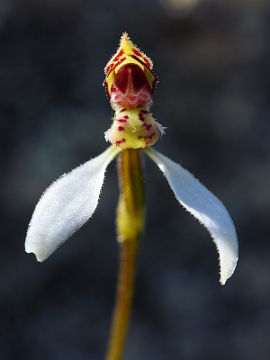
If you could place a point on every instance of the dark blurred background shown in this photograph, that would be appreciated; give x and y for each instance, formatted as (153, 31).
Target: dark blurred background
(212, 59)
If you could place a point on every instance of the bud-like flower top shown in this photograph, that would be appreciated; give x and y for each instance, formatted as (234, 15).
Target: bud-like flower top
(130, 84)
(129, 80)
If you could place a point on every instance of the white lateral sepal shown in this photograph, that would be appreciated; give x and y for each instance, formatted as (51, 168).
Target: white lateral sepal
(66, 205)
(205, 207)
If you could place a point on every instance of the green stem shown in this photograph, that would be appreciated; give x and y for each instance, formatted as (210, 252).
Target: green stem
(130, 221)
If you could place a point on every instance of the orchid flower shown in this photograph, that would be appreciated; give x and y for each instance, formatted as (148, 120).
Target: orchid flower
(71, 200)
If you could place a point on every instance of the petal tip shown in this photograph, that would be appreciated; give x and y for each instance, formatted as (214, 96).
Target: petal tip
(35, 249)
(225, 274)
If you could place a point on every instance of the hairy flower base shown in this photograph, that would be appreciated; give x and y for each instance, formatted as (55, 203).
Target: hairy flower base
(133, 128)
(70, 201)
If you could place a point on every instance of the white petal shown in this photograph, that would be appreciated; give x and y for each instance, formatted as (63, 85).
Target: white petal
(205, 207)
(66, 205)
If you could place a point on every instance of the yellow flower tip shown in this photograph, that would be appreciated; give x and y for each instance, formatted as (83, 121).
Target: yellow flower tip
(131, 49)
(127, 50)
(131, 67)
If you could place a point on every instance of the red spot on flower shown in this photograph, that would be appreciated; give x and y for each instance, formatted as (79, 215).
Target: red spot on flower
(146, 61)
(113, 65)
(122, 120)
(141, 117)
(136, 52)
(148, 127)
(147, 139)
(119, 142)
(120, 128)
(117, 56)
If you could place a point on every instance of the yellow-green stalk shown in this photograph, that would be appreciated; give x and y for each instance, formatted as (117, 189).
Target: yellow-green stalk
(129, 224)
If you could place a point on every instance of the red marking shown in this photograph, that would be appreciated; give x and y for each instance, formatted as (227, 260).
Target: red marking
(119, 62)
(146, 61)
(119, 142)
(123, 119)
(122, 110)
(117, 56)
(147, 139)
(141, 117)
(109, 68)
(136, 52)
(120, 128)
(148, 127)
(113, 65)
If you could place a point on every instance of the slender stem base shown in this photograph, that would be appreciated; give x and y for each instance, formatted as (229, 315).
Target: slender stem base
(128, 252)
(129, 223)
